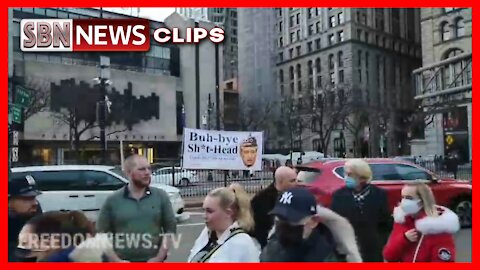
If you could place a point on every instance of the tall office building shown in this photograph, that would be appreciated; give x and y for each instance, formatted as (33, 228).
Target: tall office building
(372, 50)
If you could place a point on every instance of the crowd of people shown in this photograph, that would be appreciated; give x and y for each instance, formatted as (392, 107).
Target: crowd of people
(282, 223)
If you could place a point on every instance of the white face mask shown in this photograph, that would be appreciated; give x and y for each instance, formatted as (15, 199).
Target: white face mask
(410, 207)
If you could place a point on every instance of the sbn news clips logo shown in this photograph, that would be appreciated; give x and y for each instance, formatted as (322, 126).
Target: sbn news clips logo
(75, 35)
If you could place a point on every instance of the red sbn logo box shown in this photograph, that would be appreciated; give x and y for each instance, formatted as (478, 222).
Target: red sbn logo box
(66, 35)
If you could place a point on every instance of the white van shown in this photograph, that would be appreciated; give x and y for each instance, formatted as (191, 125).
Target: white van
(85, 187)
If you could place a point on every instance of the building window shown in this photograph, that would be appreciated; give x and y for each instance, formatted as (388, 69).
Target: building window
(318, 44)
(318, 67)
(310, 29)
(292, 37)
(292, 88)
(292, 75)
(319, 81)
(359, 34)
(310, 46)
(282, 90)
(299, 83)
(280, 75)
(359, 59)
(459, 28)
(280, 27)
(290, 53)
(279, 12)
(299, 71)
(280, 57)
(298, 18)
(340, 59)
(445, 31)
(310, 83)
(309, 13)
(366, 59)
(317, 26)
(340, 36)
(340, 18)
(292, 18)
(332, 22)
(298, 35)
(380, 19)
(310, 67)
(317, 11)
(331, 61)
(384, 42)
(377, 40)
(299, 50)
(360, 75)
(331, 39)
(366, 37)
(280, 42)
(332, 77)
(340, 76)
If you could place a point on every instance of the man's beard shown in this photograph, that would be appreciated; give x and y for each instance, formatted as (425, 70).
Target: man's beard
(139, 183)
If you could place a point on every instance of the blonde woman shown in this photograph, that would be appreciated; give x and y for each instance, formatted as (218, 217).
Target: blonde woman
(228, 218)
(365, 206)
(423, 231)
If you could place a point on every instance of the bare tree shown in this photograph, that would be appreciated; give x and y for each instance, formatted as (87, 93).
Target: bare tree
(292, 122)
(357, 119)
(327, 107)
(253, 116)
(39, 97)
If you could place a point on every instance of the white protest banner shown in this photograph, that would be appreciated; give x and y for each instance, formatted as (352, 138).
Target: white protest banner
(222, 150)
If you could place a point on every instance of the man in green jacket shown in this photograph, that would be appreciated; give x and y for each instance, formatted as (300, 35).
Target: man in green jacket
(138, 216)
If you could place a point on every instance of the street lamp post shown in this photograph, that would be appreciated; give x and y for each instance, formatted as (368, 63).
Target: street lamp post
(103, 102)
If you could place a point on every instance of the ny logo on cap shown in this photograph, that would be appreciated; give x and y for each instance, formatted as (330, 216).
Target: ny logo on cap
(286, 198)
(30, 180)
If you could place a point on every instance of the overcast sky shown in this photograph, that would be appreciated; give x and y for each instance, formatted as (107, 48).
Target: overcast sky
(157, 14)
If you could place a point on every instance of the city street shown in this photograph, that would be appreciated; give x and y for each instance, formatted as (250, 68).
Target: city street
(191, 228)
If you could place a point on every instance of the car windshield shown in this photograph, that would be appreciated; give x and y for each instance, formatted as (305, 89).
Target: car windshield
(308, 176)
(118, 172)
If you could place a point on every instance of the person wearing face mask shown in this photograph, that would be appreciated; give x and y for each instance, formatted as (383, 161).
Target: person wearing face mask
(306, 232)
(228, 218)
(22, 206)
(423, 231)
(366, 207)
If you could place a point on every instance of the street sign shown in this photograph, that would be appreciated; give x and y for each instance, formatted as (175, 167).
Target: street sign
(15, 138)
(16, 113)
(15, 154)
(22, 96)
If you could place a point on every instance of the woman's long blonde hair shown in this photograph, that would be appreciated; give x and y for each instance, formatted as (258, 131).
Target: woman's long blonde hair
(236, 198)
(426, 196)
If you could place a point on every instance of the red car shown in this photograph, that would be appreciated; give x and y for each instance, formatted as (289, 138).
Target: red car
(325, 177)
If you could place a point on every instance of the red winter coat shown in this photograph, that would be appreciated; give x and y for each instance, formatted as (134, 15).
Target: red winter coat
(435, 237)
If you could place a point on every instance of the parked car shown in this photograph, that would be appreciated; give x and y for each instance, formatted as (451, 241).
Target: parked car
(85, 187)
(167, 175)
(324, 178)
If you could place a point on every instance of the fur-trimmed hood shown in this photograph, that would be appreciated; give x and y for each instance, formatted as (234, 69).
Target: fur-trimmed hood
(446, 222)
(342, 232)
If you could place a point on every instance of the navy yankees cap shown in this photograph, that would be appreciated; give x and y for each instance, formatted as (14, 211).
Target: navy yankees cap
(295, 204)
